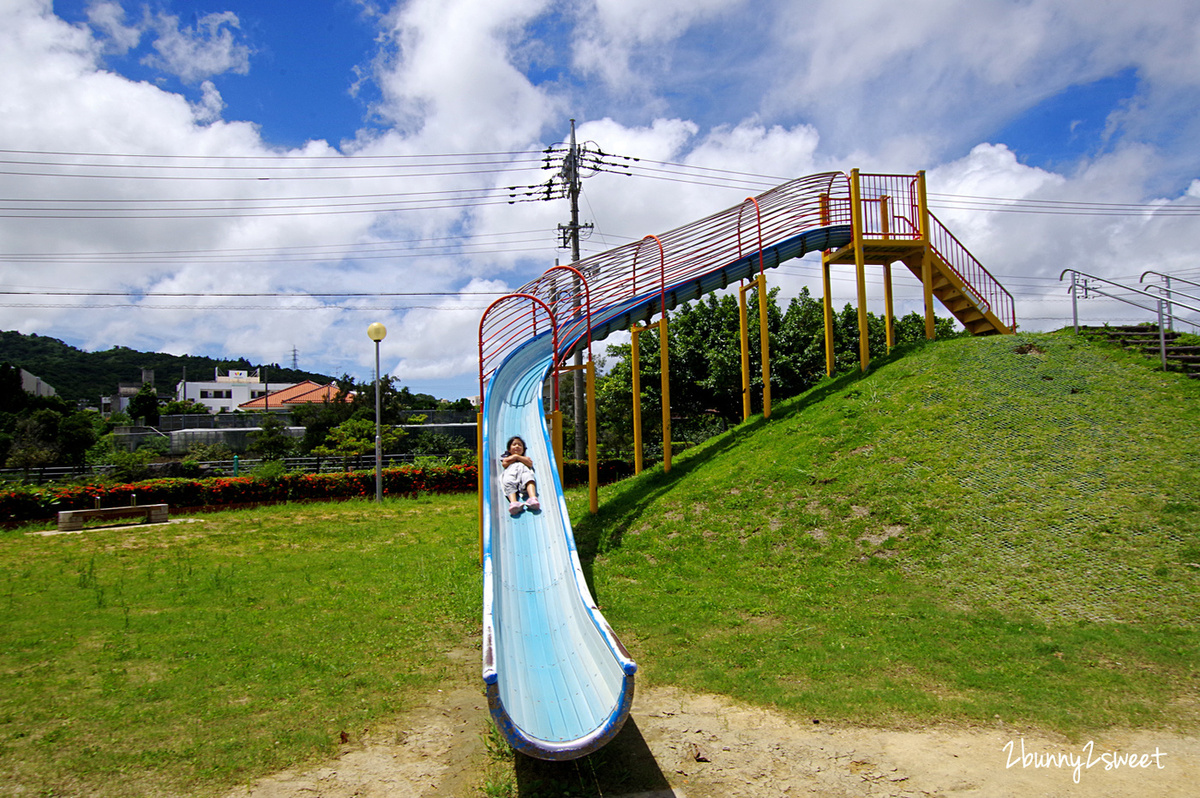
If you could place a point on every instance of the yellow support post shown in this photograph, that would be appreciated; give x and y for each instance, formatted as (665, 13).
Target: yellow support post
(556, 436)
(828, 305)
(593, 458)
(764, 340)
(889, 307)
(856, 226)
(745, 340)
(764, 337)
(479, 475)
(661, 324)
(637, 402)
(926, 256)
(666, 391)
(827, 302)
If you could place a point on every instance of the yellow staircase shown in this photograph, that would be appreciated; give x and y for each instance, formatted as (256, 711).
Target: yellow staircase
(890, 221)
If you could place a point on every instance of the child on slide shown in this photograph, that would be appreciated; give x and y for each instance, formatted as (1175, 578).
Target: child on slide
(518, 475)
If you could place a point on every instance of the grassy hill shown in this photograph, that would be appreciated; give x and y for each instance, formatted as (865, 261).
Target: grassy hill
(1005, 527)
(76, 374)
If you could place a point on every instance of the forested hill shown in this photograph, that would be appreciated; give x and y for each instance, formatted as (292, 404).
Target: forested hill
(76, 374)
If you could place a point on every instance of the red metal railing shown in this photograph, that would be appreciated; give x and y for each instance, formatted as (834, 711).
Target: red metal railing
(988, 294)
(506, 324)
(890, 209)
(565, 290)
(686, 252)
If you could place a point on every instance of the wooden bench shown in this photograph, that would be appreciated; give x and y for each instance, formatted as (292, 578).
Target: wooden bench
(72, 520)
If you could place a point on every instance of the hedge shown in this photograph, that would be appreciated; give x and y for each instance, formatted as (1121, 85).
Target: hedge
(20, 503)
(25, 503)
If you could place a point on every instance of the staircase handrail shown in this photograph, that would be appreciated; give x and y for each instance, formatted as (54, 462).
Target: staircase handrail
(1157, 299)
(1167, 278)
(1173, 292)
(985, 289)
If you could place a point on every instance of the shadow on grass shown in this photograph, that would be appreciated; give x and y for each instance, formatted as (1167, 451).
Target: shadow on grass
(622, 767)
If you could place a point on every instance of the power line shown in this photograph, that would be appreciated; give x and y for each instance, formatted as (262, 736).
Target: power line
(318, 252)
(286, 294)
(274, 157)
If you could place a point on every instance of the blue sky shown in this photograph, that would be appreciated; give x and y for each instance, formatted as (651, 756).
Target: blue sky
(288, 152)
(307, 61)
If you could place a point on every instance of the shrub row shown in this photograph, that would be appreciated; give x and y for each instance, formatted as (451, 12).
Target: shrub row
(24, 503)
(27, 502)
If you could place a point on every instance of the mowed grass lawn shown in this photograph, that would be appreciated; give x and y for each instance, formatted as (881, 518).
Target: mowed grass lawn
(978, 531)
(188, 658)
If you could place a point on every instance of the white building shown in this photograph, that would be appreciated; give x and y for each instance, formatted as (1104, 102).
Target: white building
(224, 393)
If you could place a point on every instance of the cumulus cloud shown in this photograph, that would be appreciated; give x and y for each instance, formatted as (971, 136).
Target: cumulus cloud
(449, 79)
(108, 18)
(769, 88)
(210, 106)
(194, 53)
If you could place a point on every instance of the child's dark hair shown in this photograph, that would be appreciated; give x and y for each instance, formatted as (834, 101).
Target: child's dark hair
(508, 446)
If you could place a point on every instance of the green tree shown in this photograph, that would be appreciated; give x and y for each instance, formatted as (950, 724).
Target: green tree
(35, 442)
(145, 405)
(272, 442)
(356, 436)
(179, 407)
(319, 419)
(705, 363)
(76, 434)
(13, 398)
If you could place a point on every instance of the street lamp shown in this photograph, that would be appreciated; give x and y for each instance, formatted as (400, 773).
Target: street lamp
(376, 332)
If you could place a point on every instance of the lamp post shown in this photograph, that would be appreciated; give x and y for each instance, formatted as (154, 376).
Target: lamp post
(376, 332)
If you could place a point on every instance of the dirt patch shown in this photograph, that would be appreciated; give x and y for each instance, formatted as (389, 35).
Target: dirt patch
(435, 751)
(682, 745)
(1029, 349)
(883, 535)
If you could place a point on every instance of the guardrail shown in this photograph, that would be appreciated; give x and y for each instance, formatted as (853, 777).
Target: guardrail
(240, 466)
(1091, 285)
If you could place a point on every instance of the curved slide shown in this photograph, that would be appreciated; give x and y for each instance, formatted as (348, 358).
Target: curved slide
(559, 683)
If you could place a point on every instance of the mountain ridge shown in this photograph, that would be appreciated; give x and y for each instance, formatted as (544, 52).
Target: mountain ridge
(76, 374)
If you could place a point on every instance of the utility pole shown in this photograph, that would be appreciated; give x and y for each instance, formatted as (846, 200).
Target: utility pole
(570, 234)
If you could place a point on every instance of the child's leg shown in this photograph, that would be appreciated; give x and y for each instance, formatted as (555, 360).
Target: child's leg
(532, 502)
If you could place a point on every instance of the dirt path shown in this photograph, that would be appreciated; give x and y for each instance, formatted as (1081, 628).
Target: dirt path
(679, 745)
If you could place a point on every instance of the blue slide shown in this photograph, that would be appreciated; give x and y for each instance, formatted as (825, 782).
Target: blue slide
(559, 683)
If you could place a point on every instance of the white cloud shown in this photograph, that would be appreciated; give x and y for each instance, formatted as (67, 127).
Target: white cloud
(612, 33)
(827, 86)
(194, 53)
(210, 106)
(440, 341)
(109, 19)
(450, 84)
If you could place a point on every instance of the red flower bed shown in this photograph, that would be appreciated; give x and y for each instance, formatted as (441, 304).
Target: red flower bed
(25, 503)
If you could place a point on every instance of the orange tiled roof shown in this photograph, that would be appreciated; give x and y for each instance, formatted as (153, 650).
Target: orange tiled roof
(307, 392)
